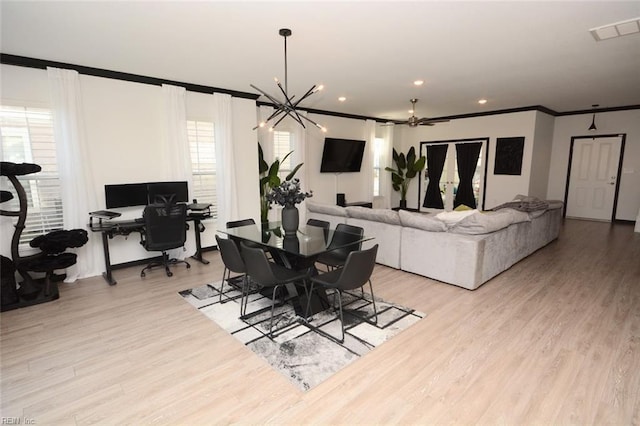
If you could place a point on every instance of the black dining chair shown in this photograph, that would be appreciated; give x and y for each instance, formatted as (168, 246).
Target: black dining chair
(355, 274)
(268, 274)
(323, 224)
(237, 224)
(165, 228)
(343, 235)
(241, 222)
(233, 262)
(319, 223)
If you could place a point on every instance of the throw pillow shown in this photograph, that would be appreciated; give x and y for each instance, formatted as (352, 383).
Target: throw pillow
(423, 221)
(376, 215)
(488, 222)
(453, 217)
(326, 209)
(462, 208)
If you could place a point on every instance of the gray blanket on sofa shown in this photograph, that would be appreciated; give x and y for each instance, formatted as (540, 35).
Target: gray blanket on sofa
(524, 204)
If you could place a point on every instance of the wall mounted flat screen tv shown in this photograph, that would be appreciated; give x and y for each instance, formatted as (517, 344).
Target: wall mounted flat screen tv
(341, 155)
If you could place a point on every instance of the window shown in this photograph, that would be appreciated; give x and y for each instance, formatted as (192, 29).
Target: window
(377, 153)
(27, 137)
(203, 162)
(281, 147)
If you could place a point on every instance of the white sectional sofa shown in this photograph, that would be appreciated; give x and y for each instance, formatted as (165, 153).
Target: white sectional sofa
(462, 248)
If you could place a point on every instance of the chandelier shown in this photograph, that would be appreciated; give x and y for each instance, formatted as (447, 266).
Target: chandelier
(287, 107)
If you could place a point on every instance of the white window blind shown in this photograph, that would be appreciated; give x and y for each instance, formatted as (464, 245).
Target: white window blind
(27, 137)
(203, 162)
(281, 147)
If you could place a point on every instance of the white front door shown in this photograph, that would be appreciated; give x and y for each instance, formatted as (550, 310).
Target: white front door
(593, 177)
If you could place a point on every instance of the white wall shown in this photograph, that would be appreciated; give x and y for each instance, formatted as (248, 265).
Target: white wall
(540, 161)
(500, 188)
(617, 122)
(124, 125)
(326, 185)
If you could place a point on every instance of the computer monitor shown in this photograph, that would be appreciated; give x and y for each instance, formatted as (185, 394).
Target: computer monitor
(162, 192)
(125, 195)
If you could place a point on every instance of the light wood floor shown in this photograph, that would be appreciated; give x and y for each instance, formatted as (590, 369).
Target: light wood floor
(553, 340)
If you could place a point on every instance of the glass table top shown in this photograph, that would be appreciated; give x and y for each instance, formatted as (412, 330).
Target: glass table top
(308, 240)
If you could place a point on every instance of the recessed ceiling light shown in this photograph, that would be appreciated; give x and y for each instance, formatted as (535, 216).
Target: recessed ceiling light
(482, 101)
(418, 82)
(617, 29)
(342, 99)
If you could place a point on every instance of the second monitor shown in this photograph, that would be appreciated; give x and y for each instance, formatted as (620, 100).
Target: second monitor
(162, 192)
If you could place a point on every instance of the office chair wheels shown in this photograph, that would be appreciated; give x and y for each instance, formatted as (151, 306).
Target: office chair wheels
(188, 266)
(142, 275)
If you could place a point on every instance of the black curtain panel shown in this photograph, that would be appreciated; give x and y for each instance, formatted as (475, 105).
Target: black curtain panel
(467, 157)
(436, 156)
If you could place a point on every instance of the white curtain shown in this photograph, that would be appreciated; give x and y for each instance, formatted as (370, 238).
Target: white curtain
(265, 137)
(177, 147)
(368, 159)
(386, 160)
(299, 155)
(78, 191)
(176, 139)
(227, 188)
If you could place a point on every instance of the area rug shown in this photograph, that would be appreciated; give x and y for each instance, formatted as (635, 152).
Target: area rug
(302, 354)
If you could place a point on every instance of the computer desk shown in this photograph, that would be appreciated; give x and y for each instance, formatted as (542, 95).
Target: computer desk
(110, 229)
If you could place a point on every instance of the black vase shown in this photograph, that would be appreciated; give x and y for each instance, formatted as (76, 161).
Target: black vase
(290, 220)
(291, 243)
(403, 204)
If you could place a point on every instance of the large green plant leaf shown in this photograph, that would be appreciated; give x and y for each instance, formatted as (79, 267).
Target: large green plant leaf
(263, 167)
(419, 165)
(395, 156)
(402, 162)
(411, 158)
(293, 172)
(396, 179)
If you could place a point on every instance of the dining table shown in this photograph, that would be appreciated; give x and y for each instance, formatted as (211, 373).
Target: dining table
(297, 251)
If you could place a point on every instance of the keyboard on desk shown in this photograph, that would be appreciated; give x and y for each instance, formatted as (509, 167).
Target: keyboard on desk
(118, 226)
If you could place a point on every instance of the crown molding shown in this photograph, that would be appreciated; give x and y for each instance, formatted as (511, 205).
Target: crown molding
(24, 61)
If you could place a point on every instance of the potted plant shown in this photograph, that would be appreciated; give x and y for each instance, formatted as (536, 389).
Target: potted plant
(407, 167)
(288, 194)
(269, 179)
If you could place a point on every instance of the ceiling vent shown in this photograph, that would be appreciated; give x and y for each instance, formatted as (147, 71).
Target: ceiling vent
(617, 29)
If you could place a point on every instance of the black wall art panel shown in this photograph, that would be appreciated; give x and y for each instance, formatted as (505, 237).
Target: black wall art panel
(509, 153)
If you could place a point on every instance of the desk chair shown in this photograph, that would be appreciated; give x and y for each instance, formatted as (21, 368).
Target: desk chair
(165, 228)
(355, 274)
(336, 258)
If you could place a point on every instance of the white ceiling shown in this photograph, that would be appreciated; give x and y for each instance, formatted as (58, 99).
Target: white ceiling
(515, 54)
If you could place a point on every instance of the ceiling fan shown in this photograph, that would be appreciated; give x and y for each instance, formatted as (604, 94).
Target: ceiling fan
(414, 121)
